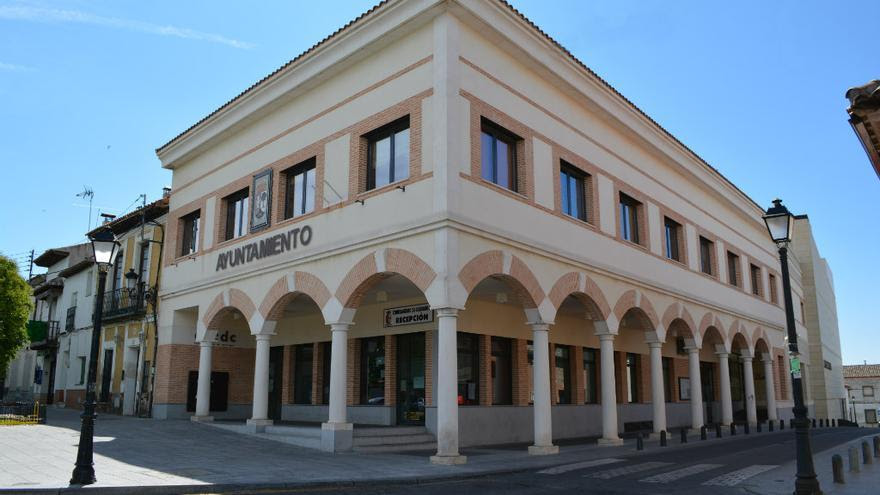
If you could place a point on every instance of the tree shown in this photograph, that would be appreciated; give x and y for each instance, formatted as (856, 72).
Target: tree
(15, 306)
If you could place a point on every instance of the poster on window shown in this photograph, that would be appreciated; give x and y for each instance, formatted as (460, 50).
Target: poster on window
(684, 388)
(408, 315)
(261, 200)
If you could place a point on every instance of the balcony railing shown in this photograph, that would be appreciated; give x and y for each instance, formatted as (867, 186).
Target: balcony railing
(70, 324)
(120, 303)
(43, 334)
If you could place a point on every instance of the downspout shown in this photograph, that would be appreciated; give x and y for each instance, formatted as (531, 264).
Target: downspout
(155, 319)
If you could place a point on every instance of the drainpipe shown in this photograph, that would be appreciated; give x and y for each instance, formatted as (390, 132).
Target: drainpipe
(154, 303)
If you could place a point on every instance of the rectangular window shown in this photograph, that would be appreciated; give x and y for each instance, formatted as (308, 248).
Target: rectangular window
(388, 154)
(118, 271)
(326, 351)
(629, 219)
(302, 373)
(870, 416)
(373, 371)
(707, 248)
(867, 391)
(89, 283)
(562, 369)
(468, 369)
(772, 282)
(756, 279)
(502, 371)
(803, 314)
(733, 269)
(667, 379)
(144, 263)
(498, 155)
(591, 377)
(572, 188)
(299, 187)
(236, 214)
(673, 238)
(82, 370)
(632, 377)
(190, 234)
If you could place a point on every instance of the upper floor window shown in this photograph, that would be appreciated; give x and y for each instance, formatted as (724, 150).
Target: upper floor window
(867, 391)
(388, 154)
(733, 269)
(772, 282)
(803, 314)
(118, 270)
(573, 191)
(629, 218)
(707, 248)
(236, 214)
(190, 233)
(756, 279)
(673, 239)
(498, 155)
(299, 197)
(144, 263)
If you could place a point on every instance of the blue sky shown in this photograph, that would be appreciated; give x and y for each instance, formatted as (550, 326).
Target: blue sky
(88, 90)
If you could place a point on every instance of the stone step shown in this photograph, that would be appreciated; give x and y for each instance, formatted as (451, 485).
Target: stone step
(387, 431)
(393, 440)
(426, 446)
(299, 431)
(300, 441)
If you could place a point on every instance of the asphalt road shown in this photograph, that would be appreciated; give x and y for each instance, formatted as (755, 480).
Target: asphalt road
(701, 468)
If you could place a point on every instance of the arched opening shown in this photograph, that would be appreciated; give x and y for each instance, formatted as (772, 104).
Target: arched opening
(760, 368)
(712, 351)
(231, 362)
(740, 355)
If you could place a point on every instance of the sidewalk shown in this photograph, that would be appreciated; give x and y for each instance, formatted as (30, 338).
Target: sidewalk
(146, 456)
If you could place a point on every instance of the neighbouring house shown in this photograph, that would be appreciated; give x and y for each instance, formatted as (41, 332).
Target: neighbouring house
(864, 117)
(863, 387)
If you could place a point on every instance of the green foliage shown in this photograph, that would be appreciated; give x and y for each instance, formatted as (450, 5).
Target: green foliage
(15, 306)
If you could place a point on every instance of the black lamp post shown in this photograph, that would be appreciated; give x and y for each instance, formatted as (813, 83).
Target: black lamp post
(779, 223)
(104, 247)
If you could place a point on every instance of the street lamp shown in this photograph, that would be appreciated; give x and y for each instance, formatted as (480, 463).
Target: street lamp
(779, 224)
(104, 248)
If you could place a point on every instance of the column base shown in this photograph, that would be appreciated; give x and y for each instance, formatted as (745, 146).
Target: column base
(694, 431)
(543, 449)
(448, 460)
(201, 419)
(257, 425)
(337, 437)
(609, 442)
(656, 435)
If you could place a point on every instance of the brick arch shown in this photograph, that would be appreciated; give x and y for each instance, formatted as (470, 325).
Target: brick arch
(517, 275)
(712, 320)
(583, 288)
(635, 299)
(738, 329)
(380, 265)
(676, 312)
(288, 288)
(760, 336)
(232, 299)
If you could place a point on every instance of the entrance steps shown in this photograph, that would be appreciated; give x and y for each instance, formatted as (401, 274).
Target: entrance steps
(393, 439)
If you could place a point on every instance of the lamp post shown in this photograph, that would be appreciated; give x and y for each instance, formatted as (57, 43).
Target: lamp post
(779, 224)
(104, 247)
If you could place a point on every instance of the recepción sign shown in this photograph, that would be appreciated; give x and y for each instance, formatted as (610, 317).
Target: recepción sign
(408, 315)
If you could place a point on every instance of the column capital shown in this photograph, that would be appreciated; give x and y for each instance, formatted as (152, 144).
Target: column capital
(263, 336)
(539, 327)
(692, 349)
(206, 343)
(746, 359)
(722, 354)
(606, 336)
(767, 357)
(341, 326)
(655, 344)
(446, 312)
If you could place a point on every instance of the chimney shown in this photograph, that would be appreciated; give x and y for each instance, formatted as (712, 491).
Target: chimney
(107, 218)
(166, 191)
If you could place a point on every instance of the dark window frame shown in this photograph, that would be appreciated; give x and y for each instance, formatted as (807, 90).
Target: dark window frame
(301, 168)
(632, 376)
(673, 241)
(499, 133)
(190, 225)
(629, 213)
(564, 393)
(240, 196)
(756, 278)
(591, 375)
(733, 269)
(567, 174)
(299, 354)
(468, 346)
(707, 255)
(388, 130)
(502, 347)
(774, 290)
(668, 378)
(365, 369)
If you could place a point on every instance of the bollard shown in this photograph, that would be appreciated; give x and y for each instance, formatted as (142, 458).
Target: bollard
(747, 428)
(758, 427)
(684, 435)
(853, 460)
(876, 446)
(718, 430)
(663, 438)
(640, 442)
(770, 425)
(781, 424)
(814, 422)
(703, 432)
(837, 468)
(732, 429)
(867, 458)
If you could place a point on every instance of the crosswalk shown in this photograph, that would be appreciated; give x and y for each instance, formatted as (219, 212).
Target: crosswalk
(660, 472)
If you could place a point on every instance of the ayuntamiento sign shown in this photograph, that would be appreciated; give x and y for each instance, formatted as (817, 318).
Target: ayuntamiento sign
(270, 246)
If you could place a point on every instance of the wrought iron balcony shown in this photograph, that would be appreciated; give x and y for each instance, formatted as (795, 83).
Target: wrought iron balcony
(121, 303)
(43, 334)
(70, 324)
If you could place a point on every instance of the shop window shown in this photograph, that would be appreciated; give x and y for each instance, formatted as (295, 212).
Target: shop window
(373, 371)
(299, 189)
(498, 155)
(632, 377)
(673, 238)
(563, 374)
(502, 371)
(572, 188)
(755, 272)
(629, 219)
(326, 348)
(591, 377)
(774, 298)
(236, 214)
(733, 269)
(388, 154)
(707, 252)
(189, 233)
(667, 379)
(302, 373)
(468, 369)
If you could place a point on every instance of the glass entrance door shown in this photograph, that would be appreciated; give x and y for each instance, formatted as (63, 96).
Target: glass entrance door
(411, 379)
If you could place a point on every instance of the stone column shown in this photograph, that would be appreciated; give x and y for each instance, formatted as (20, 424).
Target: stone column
(726, 401)
(337, 433)
(749, 379)
(203, 391)
(541, 407)
(658, 396)
(769, 386)
(696, 387)
(609, 394)
(259, 417)
(447, 388)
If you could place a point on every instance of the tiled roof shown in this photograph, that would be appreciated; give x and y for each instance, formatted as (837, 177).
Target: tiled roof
(861, 371)
(133, 219)
(526, 20)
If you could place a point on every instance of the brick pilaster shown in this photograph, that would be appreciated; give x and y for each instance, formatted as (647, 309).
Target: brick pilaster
(391, 370)
(287, 376)
(577, 370)
(554, 390)
(520, 365)
(485, 372)
(620, 376)
(643, 371)
(317, 372)
(353, 373)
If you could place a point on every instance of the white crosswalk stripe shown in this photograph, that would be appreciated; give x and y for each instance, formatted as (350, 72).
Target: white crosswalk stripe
(579, 465)
(734, 478)
(680, 473)
(622, 471)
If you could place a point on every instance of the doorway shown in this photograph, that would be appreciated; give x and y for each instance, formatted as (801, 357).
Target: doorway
(707, 381)
(276, 372)
(106, 375)
(411, 379)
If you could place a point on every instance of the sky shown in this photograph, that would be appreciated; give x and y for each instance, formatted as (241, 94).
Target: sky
(89, 90)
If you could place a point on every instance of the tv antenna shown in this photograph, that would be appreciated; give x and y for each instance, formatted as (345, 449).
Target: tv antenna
(88, 193)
